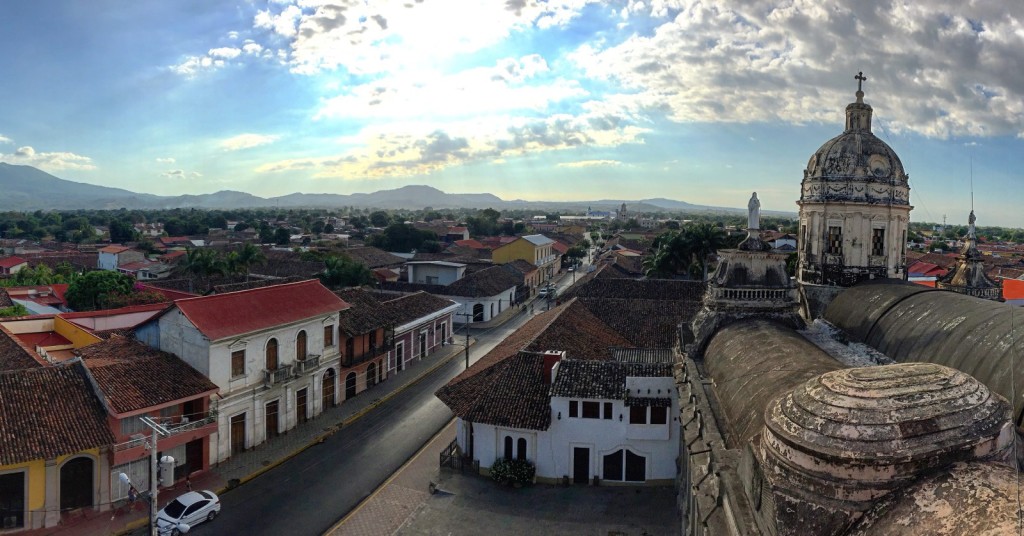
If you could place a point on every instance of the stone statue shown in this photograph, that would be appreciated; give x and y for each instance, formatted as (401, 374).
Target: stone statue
(754, 213)
(970, 225)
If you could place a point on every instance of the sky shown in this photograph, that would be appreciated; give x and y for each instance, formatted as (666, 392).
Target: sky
(561, 100)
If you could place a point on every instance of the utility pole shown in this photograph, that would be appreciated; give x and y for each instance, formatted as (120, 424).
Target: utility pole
(466, 317)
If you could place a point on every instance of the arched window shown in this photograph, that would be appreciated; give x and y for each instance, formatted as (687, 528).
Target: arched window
(508, 447)
(300, 346)
(371, 374)
(492, 310)
(478, 312)
(350, 385)
(499, 305)
(272, 354)
(521, 448)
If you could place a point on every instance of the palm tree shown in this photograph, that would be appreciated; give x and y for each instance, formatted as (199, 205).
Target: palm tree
(204, 262)
(672, 253)
(705, 240)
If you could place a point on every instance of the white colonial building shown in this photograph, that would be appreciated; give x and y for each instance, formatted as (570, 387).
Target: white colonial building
(586, 421)
(272, 351)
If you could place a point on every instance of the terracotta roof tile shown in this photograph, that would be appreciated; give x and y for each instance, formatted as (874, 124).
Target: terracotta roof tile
(511, 392)
(133, 376)
(411, 307)
(224, 315)
(47, 412)
(14, 355)
(602, 379)
(372, 257)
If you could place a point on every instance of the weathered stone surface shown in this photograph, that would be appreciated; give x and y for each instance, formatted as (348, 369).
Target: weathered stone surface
(849, 437)
(977, 499)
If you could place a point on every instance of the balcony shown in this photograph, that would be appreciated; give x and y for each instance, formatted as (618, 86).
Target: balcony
(183, 425)
(544, 261)
(312, 362)
(279, 375)
(372, 352)
(753, 294)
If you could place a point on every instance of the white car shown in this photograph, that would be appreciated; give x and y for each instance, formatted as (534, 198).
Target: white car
(191, 508)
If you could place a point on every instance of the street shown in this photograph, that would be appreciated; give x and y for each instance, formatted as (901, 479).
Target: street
(308, 493)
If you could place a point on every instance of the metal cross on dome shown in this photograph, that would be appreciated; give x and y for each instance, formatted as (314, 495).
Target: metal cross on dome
(860, 78)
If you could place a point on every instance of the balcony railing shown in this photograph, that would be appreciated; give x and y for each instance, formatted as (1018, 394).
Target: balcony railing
(546, 260)
(372, 352)
(753, 294)
(183, 426)
(272, 377)
(311, 362)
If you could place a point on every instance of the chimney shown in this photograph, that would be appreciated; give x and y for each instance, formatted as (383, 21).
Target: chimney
(551, 358)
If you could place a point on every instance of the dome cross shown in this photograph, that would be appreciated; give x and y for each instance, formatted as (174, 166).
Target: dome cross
(860, 78)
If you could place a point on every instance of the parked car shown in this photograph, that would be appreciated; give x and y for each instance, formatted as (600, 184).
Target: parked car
(191, 508)
(543, 292)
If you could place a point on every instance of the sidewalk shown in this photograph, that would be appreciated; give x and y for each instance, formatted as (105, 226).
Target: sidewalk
(245, 466)
(465, 503)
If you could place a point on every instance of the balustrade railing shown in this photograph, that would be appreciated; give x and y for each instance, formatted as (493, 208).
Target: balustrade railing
(272, 377)
(311, 362)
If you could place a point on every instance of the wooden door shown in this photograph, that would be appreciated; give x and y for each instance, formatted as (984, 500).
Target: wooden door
(300, 406)
(327, 388)
(238, 434)
(580, 465)
(271, 421)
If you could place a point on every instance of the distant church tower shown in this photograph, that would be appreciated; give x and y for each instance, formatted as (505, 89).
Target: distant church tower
(854, 211)
(969, 275)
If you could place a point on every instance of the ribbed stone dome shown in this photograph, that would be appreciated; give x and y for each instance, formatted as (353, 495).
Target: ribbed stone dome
(876, 427)
(856, 165)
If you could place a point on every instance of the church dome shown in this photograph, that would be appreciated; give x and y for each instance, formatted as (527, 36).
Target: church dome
(856, 165)
(876, 428)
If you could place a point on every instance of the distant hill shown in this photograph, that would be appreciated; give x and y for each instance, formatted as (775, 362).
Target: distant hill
(27, 188)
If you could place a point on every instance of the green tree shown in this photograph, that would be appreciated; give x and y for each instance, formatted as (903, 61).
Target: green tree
(705, 240)
(574, 254)
(341, 271)
(380, 218)
(93, 289)
(121, 231)
(14, 310)
(282, 236)
(204, 262)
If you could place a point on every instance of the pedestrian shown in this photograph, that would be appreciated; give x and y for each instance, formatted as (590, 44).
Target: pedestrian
(188, 483)
(132, 495)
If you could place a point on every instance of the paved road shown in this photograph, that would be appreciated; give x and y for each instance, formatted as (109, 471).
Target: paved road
(310, 492)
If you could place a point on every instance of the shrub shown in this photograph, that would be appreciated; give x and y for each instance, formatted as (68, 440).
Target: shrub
(513, 471)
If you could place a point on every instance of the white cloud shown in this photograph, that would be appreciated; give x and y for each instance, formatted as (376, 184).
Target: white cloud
(406, 149)
(590, 163)
(252, 48)
(180, 174)
(507, 86)
(167, 160)
(940, 68)
(283, 23)
(56, 161)
(225, 52)
(389, 35)
(246, 141)
(5, 139)
(232, 35)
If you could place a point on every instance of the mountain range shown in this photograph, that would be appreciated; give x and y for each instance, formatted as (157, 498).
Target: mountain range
(25, 188)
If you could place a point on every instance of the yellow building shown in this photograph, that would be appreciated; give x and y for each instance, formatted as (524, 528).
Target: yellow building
(535, 249)
(54, 458)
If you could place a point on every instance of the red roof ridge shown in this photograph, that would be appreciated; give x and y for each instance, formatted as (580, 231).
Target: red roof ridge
(119, 310)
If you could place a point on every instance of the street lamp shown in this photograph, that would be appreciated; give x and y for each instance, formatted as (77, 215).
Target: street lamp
(151, 445)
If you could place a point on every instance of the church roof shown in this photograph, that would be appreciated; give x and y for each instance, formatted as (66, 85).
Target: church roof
(912, 323)
(752, 362)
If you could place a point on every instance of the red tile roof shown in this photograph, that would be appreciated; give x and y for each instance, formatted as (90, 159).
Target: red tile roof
(11, 262)
(470, 243)
(114, 249)
(134, 377)
(47, 412)
(15, 355)
(559, 247)
(234, 313)
(168, 293)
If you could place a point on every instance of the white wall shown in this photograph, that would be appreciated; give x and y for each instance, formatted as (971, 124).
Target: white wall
(446, 275)
(501, 303)
(551, 450)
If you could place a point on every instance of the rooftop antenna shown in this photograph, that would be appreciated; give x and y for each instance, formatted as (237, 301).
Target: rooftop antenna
(972, 183)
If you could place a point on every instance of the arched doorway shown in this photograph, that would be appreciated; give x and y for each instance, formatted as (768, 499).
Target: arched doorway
(350, 385)
(371, 375)
(478, 312)
(76, 483)
(327, 388)
(272, 354)
(300, 346)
